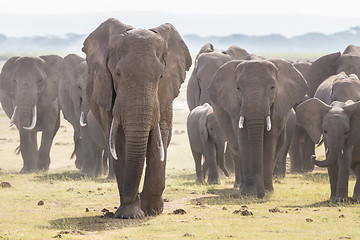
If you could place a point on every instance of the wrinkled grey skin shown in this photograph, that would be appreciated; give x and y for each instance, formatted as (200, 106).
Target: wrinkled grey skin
(74, 78)
(99, 146)
(26, 82)
(299, 154)
(207, 62)
(206, 139)
(135, 74)
(321, 69)
(255, 90)
(280, 162)
(339, 124)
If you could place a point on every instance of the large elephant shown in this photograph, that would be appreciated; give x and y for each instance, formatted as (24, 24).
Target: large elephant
(339, 124)
(74, 78)
(135, 74)
(321, 69)
(252, 100)
(207, 62)
(29, 97)
(206, 139)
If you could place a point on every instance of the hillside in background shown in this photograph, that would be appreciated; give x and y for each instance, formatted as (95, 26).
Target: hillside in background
(310, 42)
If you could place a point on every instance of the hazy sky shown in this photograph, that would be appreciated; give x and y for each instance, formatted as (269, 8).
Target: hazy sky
(225, 17)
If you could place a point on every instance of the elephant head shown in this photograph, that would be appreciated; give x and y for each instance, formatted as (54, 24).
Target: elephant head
(207, 62)
(135, 74)
(29, 82)
(331, 64)
(338, 123)
(253, 93)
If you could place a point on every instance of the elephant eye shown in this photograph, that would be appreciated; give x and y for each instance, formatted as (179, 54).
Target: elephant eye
(273, 86)
(325, 131)
(346, 133)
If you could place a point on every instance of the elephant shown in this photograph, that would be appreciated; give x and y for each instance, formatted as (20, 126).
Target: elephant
(206, 139)
(29, 97)
(99, 146)
(135, 74)
(321, 69)
(338, 123)
(252, 100)
(74, 78)
(207, 62)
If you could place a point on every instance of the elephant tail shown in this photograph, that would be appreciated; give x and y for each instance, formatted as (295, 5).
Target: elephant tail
(17, 150)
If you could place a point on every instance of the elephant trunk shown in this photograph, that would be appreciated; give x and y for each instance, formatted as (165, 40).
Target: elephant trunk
(332, 156)
(256, 140)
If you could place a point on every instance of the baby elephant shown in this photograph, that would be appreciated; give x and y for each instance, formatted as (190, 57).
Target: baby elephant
(206, 139)
(339, 124)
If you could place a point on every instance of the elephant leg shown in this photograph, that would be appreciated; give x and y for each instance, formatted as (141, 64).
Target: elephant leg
(78, 150)
(280, 161)
(296, 150)
(247, 185)
(210, 158)
(47, 138)
(344, 173)
(356, 168)
(333, 177)
(28, 149)
(204, 168)
(99, 171)
(89, 162)
(309, 150)
(198, 167)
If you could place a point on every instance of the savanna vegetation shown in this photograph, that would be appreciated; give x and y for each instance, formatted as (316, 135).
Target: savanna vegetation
(61, 203)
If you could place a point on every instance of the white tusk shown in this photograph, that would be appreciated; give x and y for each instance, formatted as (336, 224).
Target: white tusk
(160, 143)
(82, 123)
(241, 122)
(12, 118)
(112, 139)
(34, 119)
(268, 123)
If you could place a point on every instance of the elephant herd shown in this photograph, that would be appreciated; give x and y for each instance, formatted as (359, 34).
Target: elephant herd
(247, 112)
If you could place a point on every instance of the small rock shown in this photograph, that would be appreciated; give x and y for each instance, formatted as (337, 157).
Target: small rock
(109, 214)
(166, 200)
(5, 185)
(342, 216)
(179, 211)
(40, 203)
(87, 210)
(188, 235)
(243, 212)
(224, 208)
(275, 210)
(104, 210)
(309, 220)
(70, 189)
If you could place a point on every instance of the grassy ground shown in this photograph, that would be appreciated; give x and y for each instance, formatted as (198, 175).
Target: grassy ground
(64, 204)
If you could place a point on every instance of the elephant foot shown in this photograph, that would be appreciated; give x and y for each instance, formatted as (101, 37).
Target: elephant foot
(152, 207)
(26, 170)
(213, 181)
(342, 199)
(199, 181)
(129, 211)
(237, 185)
(248, 190)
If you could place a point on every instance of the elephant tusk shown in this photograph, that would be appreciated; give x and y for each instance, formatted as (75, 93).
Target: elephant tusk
(268, 123)
(241, 122)
(12, 117)
(34, 119)
(112, 139)
(160, 143)
(82, 123)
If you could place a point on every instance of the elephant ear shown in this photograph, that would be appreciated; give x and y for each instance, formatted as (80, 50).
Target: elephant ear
(193, 90)
(177, 62)
(222, 89)
(96, 48)
(309, 115)
(52, 71)
(353, 111)
(321, 69)
(291, 88)
(7, 85)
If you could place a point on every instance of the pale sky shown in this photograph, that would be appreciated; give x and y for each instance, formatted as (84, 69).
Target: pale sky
(311, 7)
(25, 17)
